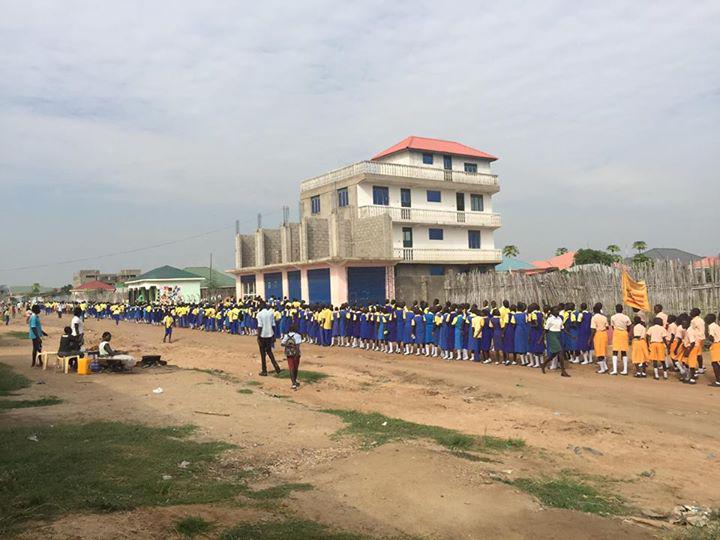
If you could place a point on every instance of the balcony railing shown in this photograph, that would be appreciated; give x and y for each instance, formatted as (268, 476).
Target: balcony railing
(423, 215)
(401, 171)
(477, 256)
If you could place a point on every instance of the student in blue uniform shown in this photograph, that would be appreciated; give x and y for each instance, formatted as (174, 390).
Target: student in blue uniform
(521, 334)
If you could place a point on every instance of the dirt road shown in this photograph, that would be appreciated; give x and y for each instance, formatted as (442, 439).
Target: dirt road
(654, 442)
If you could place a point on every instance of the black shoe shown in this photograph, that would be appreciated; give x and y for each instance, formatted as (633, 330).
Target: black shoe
(263, 373)
(564, 374)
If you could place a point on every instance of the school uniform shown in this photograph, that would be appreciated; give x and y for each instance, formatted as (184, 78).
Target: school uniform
(620, 340)
(639, 345)
(599, 323)
(658, 336)
(714, 334)
(522, 335)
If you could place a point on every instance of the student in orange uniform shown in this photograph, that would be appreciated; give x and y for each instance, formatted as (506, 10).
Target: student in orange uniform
(692, 343)
(698, 324)
(658, 337)
(639, 347)
(599, 337)
(713, 330)
(620, 340)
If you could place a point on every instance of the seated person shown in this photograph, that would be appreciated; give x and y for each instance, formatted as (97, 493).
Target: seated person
(69, 346)
(108, 355)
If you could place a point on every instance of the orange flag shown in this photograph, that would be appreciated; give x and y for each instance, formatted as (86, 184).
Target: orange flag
(635, 293)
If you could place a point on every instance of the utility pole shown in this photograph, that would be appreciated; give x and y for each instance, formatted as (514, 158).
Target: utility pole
(211, 288)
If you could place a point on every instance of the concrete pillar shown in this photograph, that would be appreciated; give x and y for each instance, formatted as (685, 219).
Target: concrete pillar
(259, 284)
(238, 252)
(285, 283)
(303, 242)
(390, 282)
(285, 243)
(338, 284)
(333, 236)
(259, 248)
(304, 288)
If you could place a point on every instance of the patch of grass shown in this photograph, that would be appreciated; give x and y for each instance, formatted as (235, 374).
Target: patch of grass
(277, 492)
(253, 383)
(18, 334)
(304, 376)
(219, 373)
(281, 530)
(104, 467)
(11, 381)
(375, 429)
(192, 526)
(25, 403)
(472, 457)
(573, 494)
(245, 391)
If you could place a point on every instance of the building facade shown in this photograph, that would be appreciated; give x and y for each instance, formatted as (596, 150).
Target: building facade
(81, 277)
(389, 227)
(165, 284)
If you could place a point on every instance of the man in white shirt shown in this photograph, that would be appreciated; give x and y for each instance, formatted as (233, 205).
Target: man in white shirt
(77, 327)
(266, 337)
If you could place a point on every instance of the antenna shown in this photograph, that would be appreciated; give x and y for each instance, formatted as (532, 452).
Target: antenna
(259, 221)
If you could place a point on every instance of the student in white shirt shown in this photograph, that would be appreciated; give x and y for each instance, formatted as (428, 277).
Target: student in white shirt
(553, 330)
(266, 338)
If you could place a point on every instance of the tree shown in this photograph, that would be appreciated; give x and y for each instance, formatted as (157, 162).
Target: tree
(640, 258)
(561, 251)
(614, 251)
(593, 256)
(65, 289)
(639, 246)
(510, 251)
(35, 288)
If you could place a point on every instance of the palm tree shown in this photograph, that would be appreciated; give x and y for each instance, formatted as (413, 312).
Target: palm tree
(639, 246)
(614, 251)
(35, 288)
(561, 251)
(510, 251)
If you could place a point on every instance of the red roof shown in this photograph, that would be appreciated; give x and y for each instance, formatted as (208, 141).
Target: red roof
(95, 286)
(561, 262)
(707, 262)
(435, 145)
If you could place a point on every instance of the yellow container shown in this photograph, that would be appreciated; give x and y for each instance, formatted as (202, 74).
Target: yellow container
(83, 366)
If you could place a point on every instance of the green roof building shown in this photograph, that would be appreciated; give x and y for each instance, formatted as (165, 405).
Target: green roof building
(165, 284)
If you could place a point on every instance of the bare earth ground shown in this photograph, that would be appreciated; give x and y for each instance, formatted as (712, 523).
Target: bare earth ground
(664, 429)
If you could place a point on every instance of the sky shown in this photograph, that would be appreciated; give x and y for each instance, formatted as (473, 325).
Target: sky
(130, 124)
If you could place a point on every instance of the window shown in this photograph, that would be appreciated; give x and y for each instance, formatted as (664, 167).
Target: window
(407, 237)
(342, 197)
(315, 204)
(476, 203)
(405, 198)
(474, 239)
(471, 167)
(381, 195)
(437, 270)
(435, 234)
(428, 159)
(433, 196)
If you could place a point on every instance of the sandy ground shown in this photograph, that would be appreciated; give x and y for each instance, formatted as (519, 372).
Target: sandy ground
(656, 441)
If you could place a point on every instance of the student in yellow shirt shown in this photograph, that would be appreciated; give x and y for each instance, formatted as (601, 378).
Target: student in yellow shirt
(168, 322)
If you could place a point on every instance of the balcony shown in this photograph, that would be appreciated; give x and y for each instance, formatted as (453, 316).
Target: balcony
(467, 256)
(397, 170)
(432, 217)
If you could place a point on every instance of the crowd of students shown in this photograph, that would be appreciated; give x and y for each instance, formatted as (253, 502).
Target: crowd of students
(508, 334)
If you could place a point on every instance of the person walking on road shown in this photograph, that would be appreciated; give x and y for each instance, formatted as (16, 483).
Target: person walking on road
(266, 337)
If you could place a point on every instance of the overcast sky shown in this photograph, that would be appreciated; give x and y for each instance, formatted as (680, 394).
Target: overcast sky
(127, 124)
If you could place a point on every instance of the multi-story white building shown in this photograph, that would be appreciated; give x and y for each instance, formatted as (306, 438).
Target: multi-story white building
(388, 227)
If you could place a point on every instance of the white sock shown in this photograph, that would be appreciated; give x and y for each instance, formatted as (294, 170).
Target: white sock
(615, 362)
(625, 364)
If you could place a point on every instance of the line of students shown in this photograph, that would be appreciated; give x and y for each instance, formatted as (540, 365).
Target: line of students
(506, 334)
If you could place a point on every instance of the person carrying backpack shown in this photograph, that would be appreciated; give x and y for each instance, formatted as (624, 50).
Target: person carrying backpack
(291, 341)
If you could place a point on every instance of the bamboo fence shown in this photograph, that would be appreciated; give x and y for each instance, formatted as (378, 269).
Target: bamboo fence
(678, 287)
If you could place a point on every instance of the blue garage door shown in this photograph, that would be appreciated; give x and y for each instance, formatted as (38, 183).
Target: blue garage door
(294, 290)
(319, 286)
(273, 285)
(366, 285)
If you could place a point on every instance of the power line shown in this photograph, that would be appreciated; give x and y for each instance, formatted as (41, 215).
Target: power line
(128, 251)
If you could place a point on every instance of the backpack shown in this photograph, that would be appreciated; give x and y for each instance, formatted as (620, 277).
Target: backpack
(292, 348)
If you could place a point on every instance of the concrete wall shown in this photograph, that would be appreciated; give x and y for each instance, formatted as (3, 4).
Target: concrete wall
(317, 238)
(372, 237)
(414, 282)
(272, 246)
(247, 249)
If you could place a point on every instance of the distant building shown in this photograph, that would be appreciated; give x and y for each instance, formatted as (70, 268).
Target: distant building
(671, 254)
(85, 276)
(390, 227)
(30, 291)
(215, 284)
(164, 284)
(93, 291)
(511, 264)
